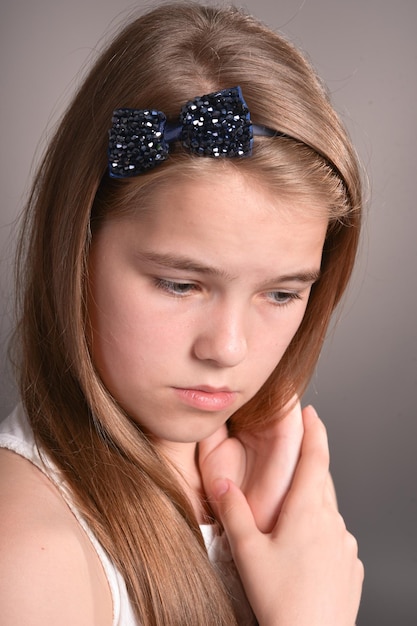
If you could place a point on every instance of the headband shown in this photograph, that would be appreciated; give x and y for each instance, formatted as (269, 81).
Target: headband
(215, 125)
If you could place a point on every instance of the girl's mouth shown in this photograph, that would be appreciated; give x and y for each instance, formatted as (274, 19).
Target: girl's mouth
(206, 398)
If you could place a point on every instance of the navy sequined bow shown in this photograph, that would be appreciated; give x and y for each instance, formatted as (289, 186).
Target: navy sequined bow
(217, 124)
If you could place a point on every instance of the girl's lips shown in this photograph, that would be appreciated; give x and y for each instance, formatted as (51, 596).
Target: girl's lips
(206, 398)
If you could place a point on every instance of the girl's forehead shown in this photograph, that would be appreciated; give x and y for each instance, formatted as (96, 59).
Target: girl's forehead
(231, 189)
(225, 221)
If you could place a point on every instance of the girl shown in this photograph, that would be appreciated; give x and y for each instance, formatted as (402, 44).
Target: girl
(191, 229)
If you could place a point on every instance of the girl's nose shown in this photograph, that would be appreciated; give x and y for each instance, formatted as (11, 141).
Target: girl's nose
(222, 339)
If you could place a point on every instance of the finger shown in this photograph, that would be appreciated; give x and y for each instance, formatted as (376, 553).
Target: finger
(274, 460)
(206, 446)
(234, 511)
(311, 475)
(291, 423)
(330, 496)
(246, 542)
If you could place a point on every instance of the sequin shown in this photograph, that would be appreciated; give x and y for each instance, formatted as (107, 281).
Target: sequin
(136, 141)
(217, 124)
(214, 125)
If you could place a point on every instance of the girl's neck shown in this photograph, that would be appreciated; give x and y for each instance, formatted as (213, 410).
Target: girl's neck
(183, 458)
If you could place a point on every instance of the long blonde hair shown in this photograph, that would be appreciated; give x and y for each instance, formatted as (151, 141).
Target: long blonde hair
(123, 487)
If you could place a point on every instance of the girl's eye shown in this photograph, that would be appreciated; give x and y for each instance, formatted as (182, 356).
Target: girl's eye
(282, 298)
(175, 288)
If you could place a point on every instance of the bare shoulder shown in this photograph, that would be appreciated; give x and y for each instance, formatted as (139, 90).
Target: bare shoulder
(49, 571)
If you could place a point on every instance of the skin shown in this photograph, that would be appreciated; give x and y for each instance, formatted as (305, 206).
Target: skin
(163, 328)
(182, 346)
(261, 463)
(46, 560)
(306, 570)
(223, 320)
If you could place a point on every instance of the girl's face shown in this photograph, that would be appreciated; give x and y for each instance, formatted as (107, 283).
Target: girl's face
(193, 302)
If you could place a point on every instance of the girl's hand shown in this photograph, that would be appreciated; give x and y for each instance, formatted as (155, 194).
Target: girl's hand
(262, 464)
(305, 572)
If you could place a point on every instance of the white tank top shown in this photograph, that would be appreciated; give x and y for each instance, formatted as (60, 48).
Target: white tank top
(16, 435)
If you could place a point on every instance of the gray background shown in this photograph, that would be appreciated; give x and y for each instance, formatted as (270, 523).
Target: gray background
(366, 50)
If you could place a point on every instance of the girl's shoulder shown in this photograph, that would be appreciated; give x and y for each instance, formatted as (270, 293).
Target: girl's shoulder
(49, 571)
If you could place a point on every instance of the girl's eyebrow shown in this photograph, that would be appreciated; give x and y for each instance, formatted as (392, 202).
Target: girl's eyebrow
(181, 262)
(308, 277)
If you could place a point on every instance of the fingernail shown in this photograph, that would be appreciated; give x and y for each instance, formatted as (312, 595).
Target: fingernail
(220, 486)
(312, 410)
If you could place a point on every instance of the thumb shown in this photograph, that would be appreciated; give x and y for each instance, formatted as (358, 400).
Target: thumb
(233, 509)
